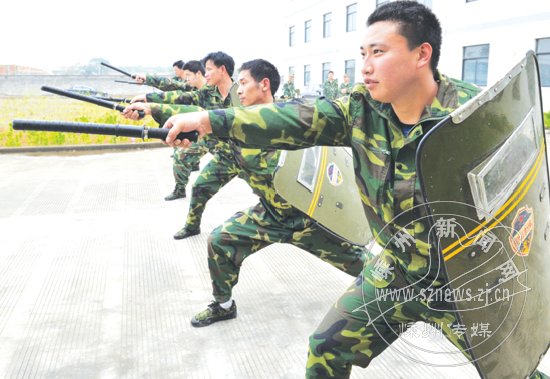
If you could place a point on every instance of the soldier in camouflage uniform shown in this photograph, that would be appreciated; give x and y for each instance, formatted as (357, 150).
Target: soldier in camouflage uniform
(346, 86)
(184, 160)
(382, 121)
(217, 94)
(188, 160)
(163, 83)
(330, 87)
(270, 221)
(289, 92)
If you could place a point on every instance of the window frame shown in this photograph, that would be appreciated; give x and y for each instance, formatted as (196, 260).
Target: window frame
(327, 25)
(544, 67)
(481, 64)
(291, 35)
(351, 17)
(307, 75)
(350, 71)
(307, 31)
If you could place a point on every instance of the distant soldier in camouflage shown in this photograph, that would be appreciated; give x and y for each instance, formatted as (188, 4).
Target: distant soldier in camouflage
(402, 96)
(187, 160)
(220, 92)
(346, 86)
(270, 221)
(183, 164)
(330, 87)
(289, 92)
(163, 83)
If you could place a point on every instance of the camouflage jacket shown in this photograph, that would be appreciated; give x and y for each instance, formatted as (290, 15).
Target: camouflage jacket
(289, 92)
(256, 166)
(208, 97)
(174, 102)
(348, 88)
(330, 89)
(384, 156)
(167, 84)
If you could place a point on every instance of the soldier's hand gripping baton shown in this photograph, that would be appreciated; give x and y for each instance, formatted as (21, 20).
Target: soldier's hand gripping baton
(102, 129)
(89, 99)
(119, 70)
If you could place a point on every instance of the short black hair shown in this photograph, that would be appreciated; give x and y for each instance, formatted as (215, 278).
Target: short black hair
(179, 64)
(220, 59)
(260, 69)
(417, 23)
(194, 67)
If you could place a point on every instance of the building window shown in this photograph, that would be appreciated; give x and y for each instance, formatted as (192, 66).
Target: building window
(307, 75)
(349, 67)
(291, 35)
(475, 63)
(327, 20)
(543, 57)
(381, 2)
(326, 69)
(307, 31)
(351, 17)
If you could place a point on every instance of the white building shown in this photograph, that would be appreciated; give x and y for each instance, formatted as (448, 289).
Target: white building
(482, 39)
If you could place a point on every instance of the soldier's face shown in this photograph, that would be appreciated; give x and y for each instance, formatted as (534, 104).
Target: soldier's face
(179, 72)
(250, 91)
(213, 74)
(191, 78)
(389, 67)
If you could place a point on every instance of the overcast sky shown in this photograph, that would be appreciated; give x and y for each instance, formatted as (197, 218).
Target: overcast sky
(58, 33)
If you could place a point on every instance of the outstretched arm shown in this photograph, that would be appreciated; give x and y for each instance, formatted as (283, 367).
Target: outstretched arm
(195, 121)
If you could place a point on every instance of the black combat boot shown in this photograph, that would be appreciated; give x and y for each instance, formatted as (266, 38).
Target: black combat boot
(177, 194)
(185, 232)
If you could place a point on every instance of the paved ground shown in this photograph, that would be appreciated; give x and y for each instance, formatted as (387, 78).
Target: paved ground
(94, 286)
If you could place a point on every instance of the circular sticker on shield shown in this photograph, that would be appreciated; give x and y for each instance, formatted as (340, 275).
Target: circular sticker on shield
(334, 174)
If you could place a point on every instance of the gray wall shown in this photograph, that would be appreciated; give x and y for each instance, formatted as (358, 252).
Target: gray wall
(22, 85)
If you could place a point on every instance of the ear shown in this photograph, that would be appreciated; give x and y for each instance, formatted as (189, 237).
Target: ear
(265, 85)
(424, 54)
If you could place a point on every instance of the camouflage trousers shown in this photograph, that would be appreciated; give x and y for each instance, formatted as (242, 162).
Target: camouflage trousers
(183, 163)
(371, 314)
(253, 229)
(217, 173)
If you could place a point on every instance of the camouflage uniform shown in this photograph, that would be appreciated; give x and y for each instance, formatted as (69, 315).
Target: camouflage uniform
(222, 167)
(330, 89)
(348, 88)
(184, 160)
(167, 84)
(272, 220)
(289, 92)
(353, 332)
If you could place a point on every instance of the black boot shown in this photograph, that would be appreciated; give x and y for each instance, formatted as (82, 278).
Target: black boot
(185, 233)
(177, 194)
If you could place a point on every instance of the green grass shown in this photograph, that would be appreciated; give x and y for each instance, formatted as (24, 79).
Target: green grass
(54, 108)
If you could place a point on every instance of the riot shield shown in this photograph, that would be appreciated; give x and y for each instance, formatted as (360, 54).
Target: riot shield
(320, 182)
(484, 176)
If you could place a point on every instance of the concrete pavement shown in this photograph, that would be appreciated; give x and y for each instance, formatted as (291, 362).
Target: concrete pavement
(94, 286)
